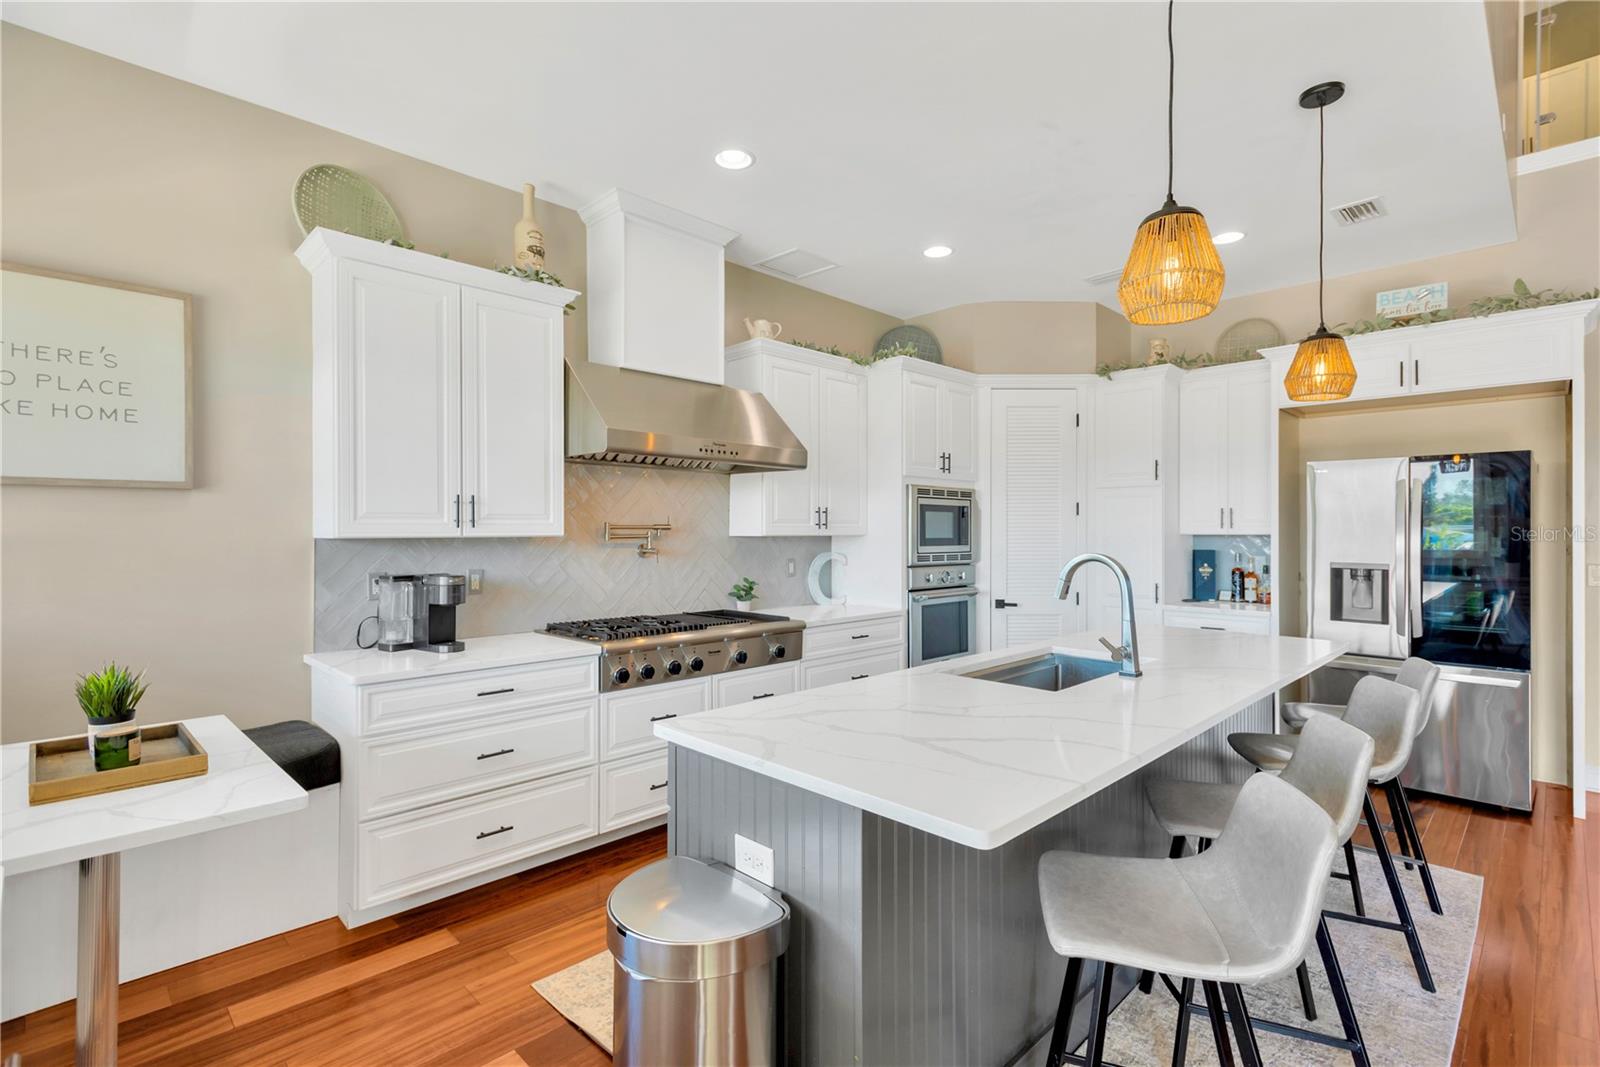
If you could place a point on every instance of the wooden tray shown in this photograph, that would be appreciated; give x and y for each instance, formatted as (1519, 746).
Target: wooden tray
(62, 768)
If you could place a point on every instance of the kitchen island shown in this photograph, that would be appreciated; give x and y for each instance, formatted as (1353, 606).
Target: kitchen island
(907, 812)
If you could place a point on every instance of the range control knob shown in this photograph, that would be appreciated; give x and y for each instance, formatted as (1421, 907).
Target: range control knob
(647, 671)
(697, 664)
(741, 656)
(674, 668)
(777, 651)
(621, 676)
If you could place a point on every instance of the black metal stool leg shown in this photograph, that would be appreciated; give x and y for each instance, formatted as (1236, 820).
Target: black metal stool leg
(1180, 1040)
(1402, 909)
(1102, 1012)
(1355, 876)
(1219, 1028)
(1243, 1033)
(1401, 838)
(1069, 1000)
(1405, 818)
(1341, 995)
(1308, 1002)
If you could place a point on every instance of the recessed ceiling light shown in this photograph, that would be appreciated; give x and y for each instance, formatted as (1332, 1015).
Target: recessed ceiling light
(1227, 238)
(734, 159)
(936, 252)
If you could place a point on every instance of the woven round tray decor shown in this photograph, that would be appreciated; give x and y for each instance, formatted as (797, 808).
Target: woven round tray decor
(927, 344)
(1247, 338)
(340, 199)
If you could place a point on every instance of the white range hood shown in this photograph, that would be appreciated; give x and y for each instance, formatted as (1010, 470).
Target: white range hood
(654, 288)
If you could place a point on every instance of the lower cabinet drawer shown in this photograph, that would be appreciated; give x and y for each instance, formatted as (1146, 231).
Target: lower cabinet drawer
(405, 772)
(845, 636)
(742, 686)
(849, 668)
(628, 720)
(633, 790)
(1225, 620)
(410, 853)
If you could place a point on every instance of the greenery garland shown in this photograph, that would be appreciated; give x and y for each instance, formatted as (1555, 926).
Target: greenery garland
(1183, 361)
(899, 348)
(543, 277)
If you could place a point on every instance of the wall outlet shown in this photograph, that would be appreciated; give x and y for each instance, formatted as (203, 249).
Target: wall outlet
(788, 567)
(1594, 573)
(752, 859)
(475, 581)
(372, 583)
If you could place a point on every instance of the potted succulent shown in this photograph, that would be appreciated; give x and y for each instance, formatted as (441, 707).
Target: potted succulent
(109, 698)
(743, 592)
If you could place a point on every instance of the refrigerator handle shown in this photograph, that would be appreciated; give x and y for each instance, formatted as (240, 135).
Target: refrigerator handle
(1414, 559)
(1310, 563)
(1399, 615)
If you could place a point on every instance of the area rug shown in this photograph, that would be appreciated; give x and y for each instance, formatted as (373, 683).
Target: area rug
(1401, 1023)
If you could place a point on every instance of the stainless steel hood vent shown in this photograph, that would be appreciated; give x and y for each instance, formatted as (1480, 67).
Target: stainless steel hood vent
(651, 420)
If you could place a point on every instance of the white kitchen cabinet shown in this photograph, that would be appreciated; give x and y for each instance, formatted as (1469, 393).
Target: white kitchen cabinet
(1129, 425)
(1234, 619)
(823, 399)
(436, 395)
(850, 668)
(1224, 436)
(941, 418)
(763, 683)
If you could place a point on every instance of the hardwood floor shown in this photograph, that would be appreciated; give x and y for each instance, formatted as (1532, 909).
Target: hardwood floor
(449, 984)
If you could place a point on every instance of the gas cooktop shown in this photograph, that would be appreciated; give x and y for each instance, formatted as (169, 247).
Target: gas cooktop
(642, 650)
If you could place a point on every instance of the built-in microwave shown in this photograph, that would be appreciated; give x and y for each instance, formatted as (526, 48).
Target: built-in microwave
(940, 525)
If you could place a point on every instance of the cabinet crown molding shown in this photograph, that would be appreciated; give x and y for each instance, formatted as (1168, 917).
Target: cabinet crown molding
(1585, 311)
(634, 206)
(323, 245)
(767, 346)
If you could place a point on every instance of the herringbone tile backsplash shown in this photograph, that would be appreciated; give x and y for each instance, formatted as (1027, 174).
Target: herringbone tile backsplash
(529, 582)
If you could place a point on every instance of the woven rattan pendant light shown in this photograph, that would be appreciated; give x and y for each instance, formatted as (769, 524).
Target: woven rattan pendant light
(1322, 368)
(1173, 273)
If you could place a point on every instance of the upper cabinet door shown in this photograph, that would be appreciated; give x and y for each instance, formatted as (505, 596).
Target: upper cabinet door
(791, 503)
(842, 472)
(1249, 466)
(511, 416)
(924, 451)
(958, 421)
(398, 389)
(1203, 418)
(1127, 431)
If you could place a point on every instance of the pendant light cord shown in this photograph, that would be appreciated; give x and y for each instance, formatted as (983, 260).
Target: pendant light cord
(1322, 215)
(1172, 72)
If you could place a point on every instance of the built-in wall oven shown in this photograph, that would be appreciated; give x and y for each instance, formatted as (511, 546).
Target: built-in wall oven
(940, 524)
(943, 613)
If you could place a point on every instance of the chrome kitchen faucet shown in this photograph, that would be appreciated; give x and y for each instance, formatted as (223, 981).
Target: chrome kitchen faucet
(1126, 654)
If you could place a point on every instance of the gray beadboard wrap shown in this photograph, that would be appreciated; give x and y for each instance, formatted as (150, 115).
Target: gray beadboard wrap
(908, 949)
(529, 582)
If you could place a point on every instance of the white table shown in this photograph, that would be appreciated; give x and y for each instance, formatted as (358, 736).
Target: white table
(241, 784)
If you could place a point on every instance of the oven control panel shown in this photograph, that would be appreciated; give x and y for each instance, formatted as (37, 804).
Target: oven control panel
(937, 577)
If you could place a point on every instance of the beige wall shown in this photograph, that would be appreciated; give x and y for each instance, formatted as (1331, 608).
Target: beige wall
(806, 315)
(1538, 424)
(117, 172)
(1557, 247)
(1017, 336)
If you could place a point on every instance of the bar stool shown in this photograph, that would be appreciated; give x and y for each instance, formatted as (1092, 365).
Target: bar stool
(1317, 769)
(1422, 676)
(1388, 712)
(1187, 918)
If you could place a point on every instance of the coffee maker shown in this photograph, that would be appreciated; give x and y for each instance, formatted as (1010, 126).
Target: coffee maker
(419, 611)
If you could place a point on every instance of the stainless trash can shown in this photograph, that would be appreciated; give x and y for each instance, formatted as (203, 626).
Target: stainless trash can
(696, 949)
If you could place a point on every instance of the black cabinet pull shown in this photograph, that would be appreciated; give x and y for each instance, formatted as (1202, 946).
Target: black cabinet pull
(658, 718)
(497, 692)
(824, 518)
(458, 511)
(857, 677)
(472, 505)
(658, 785)
(1004, 603)
(762, 696)
(859, 637)
(1416, 373)
(491, 833)
(1213, 627)
(492, 755)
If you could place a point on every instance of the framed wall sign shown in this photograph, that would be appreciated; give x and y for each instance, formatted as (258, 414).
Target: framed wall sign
(94, 382)
(1413, 300)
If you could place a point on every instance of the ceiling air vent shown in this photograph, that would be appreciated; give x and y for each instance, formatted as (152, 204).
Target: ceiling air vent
(796, 263)
(1360, 211)
(1101, 279)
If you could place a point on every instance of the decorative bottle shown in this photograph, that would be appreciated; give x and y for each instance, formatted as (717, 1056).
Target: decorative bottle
(1236, 583)
(527, 238)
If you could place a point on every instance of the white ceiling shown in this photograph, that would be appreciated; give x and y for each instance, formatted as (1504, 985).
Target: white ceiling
(1029, 137)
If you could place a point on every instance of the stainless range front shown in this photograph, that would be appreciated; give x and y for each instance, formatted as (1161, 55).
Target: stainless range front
(641, 650)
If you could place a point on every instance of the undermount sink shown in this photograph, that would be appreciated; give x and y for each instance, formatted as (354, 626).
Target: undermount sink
(1051, 672)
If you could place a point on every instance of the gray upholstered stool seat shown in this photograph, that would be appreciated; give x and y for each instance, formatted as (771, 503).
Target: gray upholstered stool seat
(1191, 809)
(1294, 713)
(1415, 672)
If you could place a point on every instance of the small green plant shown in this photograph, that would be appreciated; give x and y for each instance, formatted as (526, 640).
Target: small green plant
(743, 589)
(899, 348)
(111, 694)
(1183, 361)
(543, 277)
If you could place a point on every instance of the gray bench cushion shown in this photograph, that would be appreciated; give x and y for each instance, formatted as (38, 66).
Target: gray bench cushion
(305, 751)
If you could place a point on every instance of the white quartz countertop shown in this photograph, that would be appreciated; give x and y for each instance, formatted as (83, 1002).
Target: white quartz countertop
(822, 614)
(369, 666)
(241, 784)
(980, 762)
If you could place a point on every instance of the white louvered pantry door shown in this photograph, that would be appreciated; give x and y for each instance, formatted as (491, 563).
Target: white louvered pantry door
(1035, 527)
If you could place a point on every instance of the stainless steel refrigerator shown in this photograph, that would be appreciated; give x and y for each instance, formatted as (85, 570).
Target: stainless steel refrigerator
(1429, 556)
